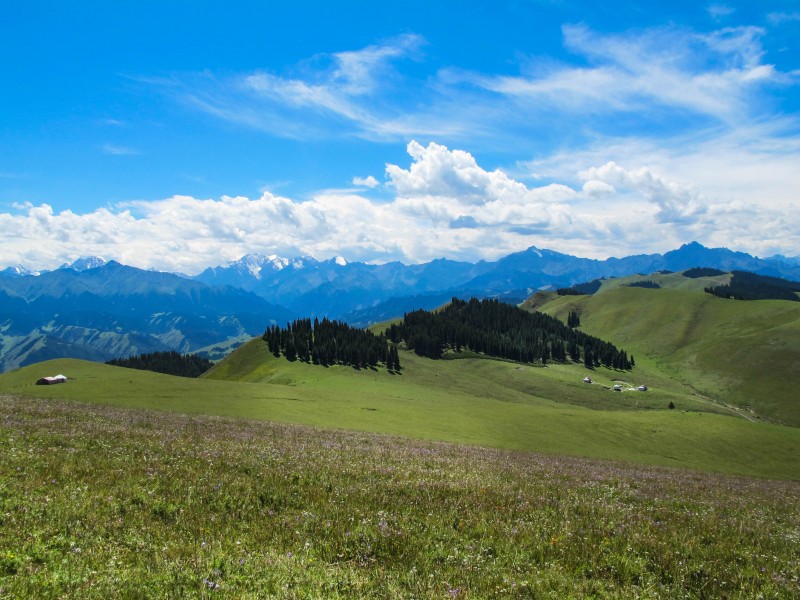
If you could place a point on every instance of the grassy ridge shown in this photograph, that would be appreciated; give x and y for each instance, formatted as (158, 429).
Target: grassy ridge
(102, 502)
(738, 352)
(482, 402)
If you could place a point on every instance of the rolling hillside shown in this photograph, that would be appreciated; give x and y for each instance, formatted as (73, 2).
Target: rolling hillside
(474, 401)
(744, 353)
(725, 365)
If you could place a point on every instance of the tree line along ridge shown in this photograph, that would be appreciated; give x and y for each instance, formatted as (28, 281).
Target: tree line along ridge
(168, 362)
(750, 286)
(496, 329)
(329, 342)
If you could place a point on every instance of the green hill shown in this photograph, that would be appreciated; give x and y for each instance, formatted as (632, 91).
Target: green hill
(724, 364)
(743, 353)
(475, 401)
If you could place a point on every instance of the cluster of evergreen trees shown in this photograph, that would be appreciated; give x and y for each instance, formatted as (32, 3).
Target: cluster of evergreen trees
(750, 286)
(169, 362)
(573, 319)
(645, 283)
(329, 342)
(581, 289)
(697, 272)
(504, 331)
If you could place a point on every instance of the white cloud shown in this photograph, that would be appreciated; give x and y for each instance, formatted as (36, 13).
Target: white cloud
(595, 187)
(676, 203)
(719, 11)
(709, 75)
(655, 83)
(737, 190)
(445, 204)
(326, 95)
(779, 18)
(368, 181)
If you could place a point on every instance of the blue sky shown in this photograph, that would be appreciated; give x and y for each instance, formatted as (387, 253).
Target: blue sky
(179, 135)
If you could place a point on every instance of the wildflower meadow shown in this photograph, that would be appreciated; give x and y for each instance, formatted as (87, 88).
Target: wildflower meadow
(102, 502)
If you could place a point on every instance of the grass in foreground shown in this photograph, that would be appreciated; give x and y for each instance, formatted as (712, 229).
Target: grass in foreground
(99, 502)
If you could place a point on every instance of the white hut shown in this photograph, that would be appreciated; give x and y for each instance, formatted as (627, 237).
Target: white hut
(51, 380)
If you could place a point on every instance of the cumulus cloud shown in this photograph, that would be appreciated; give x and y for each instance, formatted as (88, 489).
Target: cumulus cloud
(444, 204)
(676, 203)
(369, 181)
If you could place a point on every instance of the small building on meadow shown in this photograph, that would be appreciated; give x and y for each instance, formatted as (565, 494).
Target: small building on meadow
(587, 380)
(51, 380)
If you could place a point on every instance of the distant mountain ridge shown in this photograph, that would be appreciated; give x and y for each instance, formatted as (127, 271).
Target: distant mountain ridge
(521, 271)
(111, 311)
(246, 272)
(94, 309)
(361, 293)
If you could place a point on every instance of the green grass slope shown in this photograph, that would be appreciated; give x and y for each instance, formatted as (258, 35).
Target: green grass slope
(744, 353)
(99, 502)
(474, 401)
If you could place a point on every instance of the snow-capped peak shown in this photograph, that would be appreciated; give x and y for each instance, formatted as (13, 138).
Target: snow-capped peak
(253, 264)
(340, 260)
(84, 263)
(17, 271)
(301, 262)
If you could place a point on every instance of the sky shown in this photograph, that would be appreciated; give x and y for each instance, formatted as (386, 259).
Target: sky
(180, 135)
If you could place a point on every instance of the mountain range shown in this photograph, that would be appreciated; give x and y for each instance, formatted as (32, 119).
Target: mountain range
(98, 310)
(111, 310)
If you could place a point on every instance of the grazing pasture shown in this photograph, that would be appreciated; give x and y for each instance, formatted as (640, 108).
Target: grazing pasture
(473, 401)
(99, 502)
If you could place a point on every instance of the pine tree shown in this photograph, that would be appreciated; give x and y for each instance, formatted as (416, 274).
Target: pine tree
(573, 319)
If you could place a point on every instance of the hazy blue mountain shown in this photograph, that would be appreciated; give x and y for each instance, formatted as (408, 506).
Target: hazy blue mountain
(91, 308)
(359, 291)
(246, 272)
(16, 271)
(114, 311)
(332, 288)
(397, 306)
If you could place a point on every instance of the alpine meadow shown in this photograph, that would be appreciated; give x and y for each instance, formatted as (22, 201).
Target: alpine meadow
(409, 300)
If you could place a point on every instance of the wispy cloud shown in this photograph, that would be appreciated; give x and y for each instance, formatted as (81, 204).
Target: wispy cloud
(116, 150)
(325, 95)
(710, 75)
(779, 18)
(668, 74)
(720, 11)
